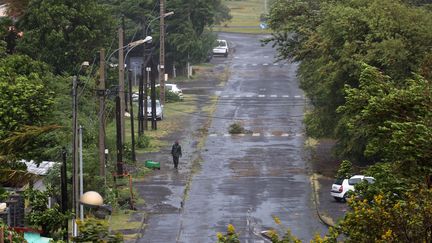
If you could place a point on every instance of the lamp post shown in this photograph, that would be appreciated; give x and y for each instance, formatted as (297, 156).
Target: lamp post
(151, 21)
(75, 164)
(120, 113)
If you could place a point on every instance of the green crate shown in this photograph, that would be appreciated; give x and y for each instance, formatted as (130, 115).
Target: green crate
(152, 164)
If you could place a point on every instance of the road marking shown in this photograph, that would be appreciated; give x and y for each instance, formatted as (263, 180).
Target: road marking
(297, 96)
(269, 135)
(276, 64)
(273, 96)
(249, 96)
(284, 135)
(227, 135)
(265, 64)
(213, 135)
(254, 64)
(285, 96)
(225, 96)
(256, 134)
(261, 96)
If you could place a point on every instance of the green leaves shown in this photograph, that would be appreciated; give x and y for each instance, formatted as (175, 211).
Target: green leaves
(64, 33)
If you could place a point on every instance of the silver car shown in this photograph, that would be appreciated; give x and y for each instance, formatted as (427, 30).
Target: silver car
(159, 110)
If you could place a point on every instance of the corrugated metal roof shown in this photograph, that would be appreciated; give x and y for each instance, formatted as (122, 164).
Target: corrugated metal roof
(42, 169)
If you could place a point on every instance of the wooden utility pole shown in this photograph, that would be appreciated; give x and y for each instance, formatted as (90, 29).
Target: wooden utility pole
(131, 116)
(162, 52)
(101, 94)
(75, 191)
(121, 93)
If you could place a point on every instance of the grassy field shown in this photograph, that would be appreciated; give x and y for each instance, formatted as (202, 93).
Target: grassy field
(246, 17)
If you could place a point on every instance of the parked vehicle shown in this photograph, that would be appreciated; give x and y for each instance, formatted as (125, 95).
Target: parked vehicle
(159, 109)
(342, 187)
(173, 88)
(222, 48)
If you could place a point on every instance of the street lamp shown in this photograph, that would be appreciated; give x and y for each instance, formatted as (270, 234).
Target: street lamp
(165, 15)
(132, 45)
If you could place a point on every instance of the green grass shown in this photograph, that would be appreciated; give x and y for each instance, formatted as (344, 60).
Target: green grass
(245, 13)
(120, 221)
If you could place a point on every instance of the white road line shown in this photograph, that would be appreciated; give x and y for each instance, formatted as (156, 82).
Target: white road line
(213, 135)
(284, 135)
(276, 64)
(254, 64)
(225, 96)
(269, 135)
(265, 64)
(273, 96)
(227, 135)
(261, 96)
(256, 134)
(285, 96)
(297, 96)
(249, 96)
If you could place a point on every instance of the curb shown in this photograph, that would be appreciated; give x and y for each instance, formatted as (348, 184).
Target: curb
(313, 179)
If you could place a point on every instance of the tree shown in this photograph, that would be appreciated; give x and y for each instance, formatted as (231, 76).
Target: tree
(391, 120)
(333, 38)
(49, 219)
(64, 33)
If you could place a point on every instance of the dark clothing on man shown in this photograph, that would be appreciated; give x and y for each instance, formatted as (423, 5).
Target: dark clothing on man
(176, 153)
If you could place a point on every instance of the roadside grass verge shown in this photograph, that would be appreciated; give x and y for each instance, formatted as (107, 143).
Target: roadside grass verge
(120, 220)
(246, 17)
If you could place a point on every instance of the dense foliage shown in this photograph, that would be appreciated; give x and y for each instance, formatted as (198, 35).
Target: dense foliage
(366, 67)
(64, 33)
(333, 39)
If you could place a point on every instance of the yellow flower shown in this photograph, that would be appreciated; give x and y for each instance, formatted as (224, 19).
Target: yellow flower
(231, 229)
(219, 235)
(277, 220)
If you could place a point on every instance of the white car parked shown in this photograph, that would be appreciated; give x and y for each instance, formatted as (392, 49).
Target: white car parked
(173, 88)
(222, 48)
(341, 187)
(159, 109)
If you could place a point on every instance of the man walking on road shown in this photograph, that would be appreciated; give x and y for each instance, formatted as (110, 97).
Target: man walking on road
(176, 153)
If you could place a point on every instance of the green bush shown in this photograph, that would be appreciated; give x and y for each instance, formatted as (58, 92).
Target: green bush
(143, 141)
(237, 128)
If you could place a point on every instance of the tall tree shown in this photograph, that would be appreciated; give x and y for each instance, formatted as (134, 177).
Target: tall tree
(64, 33)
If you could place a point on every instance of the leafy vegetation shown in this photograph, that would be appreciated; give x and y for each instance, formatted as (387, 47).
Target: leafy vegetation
(94, 230)
(333, 40)
(365, 66)
(50, 220)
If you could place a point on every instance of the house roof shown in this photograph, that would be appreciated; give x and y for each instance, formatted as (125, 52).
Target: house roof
(3, 10)
(42, 169)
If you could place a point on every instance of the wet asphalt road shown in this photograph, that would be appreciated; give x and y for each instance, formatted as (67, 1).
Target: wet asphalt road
(248, 178)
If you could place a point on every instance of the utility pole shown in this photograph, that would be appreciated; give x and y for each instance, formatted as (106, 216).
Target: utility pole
(146, 95)
(153, 96)
(118, 135)
(64, 197)
(75, 192)
(140, 103)
(101, 94)
(81, 174)
(131, 115)
(121, 93)
(162, 52)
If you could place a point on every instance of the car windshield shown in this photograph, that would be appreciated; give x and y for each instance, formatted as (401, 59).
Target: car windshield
(339, 181)
(222, 43)
(354, 181)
